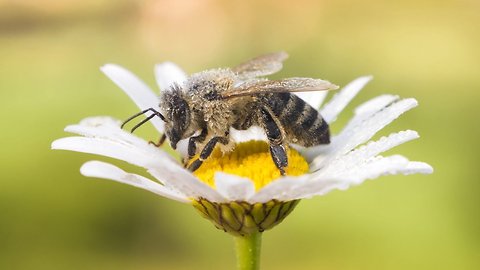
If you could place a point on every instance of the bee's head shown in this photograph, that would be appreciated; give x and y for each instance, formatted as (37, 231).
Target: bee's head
(177, 115)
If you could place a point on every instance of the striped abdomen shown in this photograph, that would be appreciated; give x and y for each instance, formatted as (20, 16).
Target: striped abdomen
(302, 123)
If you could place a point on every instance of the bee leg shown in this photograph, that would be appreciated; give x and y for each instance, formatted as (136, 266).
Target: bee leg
(160, 141)
(192, 147)
(279, 156)
(275, 138)
(206, 152)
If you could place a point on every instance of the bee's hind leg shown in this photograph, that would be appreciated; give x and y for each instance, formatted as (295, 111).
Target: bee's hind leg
(279, 156)
(207, 151)
(275, 138)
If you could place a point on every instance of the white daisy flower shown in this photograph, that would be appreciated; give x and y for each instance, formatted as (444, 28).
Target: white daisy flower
(242, 192)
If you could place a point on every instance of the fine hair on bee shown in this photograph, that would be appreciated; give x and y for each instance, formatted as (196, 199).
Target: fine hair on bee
(209, 103)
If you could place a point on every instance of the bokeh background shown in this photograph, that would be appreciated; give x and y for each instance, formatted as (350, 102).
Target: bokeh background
(50, 52)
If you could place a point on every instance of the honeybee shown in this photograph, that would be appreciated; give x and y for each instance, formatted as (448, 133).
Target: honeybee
(211, 102)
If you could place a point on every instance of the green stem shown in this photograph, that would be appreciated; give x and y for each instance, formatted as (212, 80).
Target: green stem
(248, 251)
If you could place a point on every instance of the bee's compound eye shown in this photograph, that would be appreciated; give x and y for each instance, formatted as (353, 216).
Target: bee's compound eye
(182, 114)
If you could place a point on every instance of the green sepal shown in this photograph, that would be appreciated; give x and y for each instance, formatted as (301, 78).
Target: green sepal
(242, 218)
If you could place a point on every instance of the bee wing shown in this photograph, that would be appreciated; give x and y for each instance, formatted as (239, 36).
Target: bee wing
(279, 86)
(261, 66)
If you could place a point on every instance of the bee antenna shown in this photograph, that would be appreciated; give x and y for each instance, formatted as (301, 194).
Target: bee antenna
(142, 122)
(155, 113)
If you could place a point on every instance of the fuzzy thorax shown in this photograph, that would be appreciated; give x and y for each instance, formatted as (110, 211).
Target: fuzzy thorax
(251, 160)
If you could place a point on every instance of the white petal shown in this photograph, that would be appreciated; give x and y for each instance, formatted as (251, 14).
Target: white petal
(135, 88)
(108, 171)
(310, 154)
(187, 184)
(107, 128)
(376, 147)
(254, 133)
(234, 188)
(114, 149)
(322, 183)
(364, 111)
(168, 73)
(375, 104)
(169, 173)
(370, 169)
(107, 139)
(361, 128)
(313, 98)
(278, 189)
(373, 148)
(418, 167)
(182, 147)
(383, 166)
(288, 189)
(336, 105)
(96, 121)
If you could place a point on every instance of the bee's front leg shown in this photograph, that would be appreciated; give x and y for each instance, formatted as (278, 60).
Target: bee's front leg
(207, 151)
(192, 143)
(160, 141)
(275, 138)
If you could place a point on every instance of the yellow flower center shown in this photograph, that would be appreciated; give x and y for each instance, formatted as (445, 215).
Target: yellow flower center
(249, 159)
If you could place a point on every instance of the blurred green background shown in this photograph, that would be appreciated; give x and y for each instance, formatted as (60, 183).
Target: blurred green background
(50, 53)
